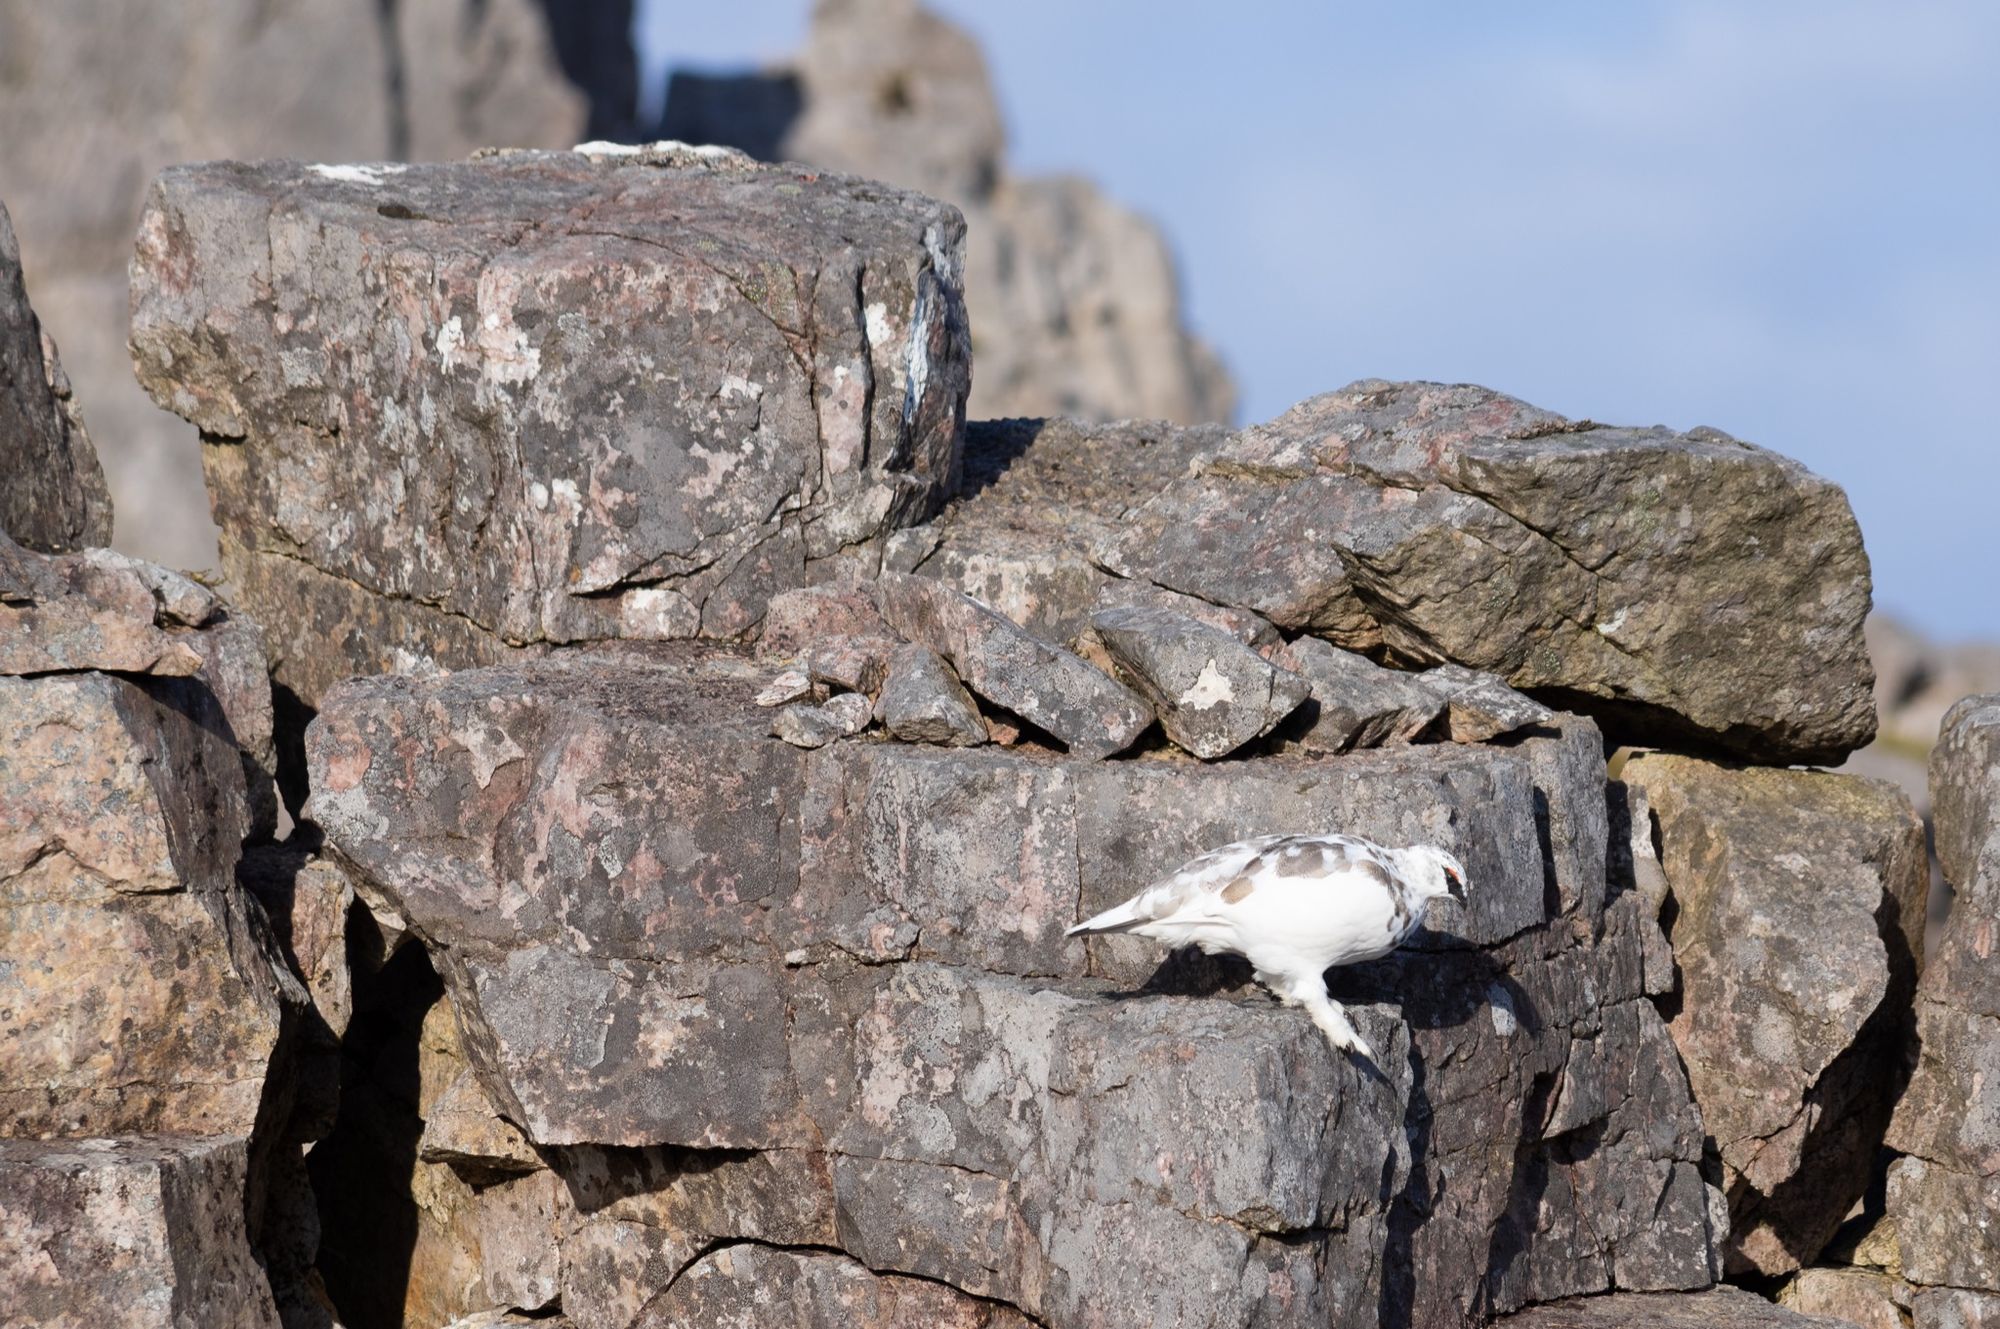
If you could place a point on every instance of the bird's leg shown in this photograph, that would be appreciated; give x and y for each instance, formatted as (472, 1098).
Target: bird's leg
(1331, 1019)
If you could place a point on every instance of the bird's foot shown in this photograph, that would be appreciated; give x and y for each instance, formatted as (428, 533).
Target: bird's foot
(1339, 1030)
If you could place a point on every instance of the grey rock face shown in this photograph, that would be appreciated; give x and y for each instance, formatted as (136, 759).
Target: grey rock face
(1943, 1195)
(1452, 524)
(740, 992)
(805, 726)
(546, 397)
(1091, 714)
(1075, 302)
(1479, 706)
(1955, 1308)
(923, 702)
(55, 498)
(1213, 694)
(129, 1232)
(1865, 1297)
(1718, 1308)
(1799, 924)
(101, 100)
(750, 1284)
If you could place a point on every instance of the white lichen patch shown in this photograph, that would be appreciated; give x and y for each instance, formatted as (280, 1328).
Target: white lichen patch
(369, 177)
(1210, 689)
(1612, 624)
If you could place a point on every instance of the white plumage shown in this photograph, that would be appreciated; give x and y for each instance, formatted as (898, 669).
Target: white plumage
(1294, 906)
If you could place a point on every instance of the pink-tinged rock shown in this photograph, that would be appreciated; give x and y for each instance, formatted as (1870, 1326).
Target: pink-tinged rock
(750, 1284)
(1718, 1308)
(1680, 586)
(1798, 920)
(795, 621)
(556, 397)
(128, 1233)
(1090, 713)
(1213, 693)
(1865, 1297)
(922, 701)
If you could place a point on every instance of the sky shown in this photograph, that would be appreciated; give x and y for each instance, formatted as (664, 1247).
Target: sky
(1781, 219)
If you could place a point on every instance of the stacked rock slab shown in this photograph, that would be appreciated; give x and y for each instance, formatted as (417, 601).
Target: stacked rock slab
(1797, 900)
(543, 398)
(1602, 567)
(742, 996)
(1944, 1193)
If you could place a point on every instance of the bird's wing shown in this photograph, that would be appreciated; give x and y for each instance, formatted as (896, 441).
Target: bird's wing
(1224, 876)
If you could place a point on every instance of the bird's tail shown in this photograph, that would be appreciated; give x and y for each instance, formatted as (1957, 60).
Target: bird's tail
(1119, 918)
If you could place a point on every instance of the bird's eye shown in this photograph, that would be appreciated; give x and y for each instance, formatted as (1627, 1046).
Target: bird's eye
(1455, 878)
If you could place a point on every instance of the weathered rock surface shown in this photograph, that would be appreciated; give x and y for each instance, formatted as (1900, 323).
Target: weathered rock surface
(1797, 900)
(670, 936)
(1037, 496)
(922, 701)
(807, 726)
(103, 94)
(139, 1232)
(1075, 302)
(1478, 706)
(1865, 1297)
(1355, 703)
(749, 1284)
(1944, 1194)
(1718, 1308)
(1213, 694)
(546, 397)
(55, 499)
(1602, 566)
(1955, 1308)
(1090, 713)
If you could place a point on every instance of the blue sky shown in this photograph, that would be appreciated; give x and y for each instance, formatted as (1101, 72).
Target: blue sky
(1781, 219)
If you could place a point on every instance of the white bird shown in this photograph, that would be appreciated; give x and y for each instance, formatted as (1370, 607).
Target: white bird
(1294, 906)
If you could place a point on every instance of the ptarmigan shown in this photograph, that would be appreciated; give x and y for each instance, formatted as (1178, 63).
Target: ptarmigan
(1294, 906)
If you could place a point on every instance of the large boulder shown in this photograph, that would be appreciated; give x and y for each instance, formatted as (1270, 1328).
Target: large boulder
(1075, 302)
(1678, 585)
(668, 934)
(55, 498)
(542, 398)
(1945, 1192)
(1797, 908)
(103, 94)
(128, 1233)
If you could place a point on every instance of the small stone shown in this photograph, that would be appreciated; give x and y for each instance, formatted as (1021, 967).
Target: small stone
(1355, 703)
(850, 662)
(1478, 706)
(923, 702)
(1213, 693)
(794, 620)
(807, 726)
(1090, 714)
(788, 687)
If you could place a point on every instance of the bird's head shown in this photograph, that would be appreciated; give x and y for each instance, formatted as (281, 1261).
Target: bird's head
(1441, 872)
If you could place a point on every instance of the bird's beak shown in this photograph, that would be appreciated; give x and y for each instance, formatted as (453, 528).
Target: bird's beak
(1454, 885)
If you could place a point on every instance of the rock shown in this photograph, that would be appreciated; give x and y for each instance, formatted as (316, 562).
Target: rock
(1037, 495)
(1949, 1119)
(788, 687)
(751, 1284)
(1797, 903)
(1090, 714)
(55, 499)
(1955, 1308)
(849, 663)
(76, 613)
(1213, 694)
(1863, 1297)
(520, 1221)
(832, 988)
(813, 328)
(138, 1232)
(461, 1128)
(1718, 1308)
(1479, 707)
(151, 999)
(796, 619)
(97, 111)
(1075, 300)
(806, 726)
(923, 702)
(1377, 516)
(1355, 702)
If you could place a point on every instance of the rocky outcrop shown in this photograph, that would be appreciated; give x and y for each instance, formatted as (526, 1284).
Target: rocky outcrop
(103, 94)
(664, 930)
(1944, 1193)
(128, 1234)
(1718, 1308)
(1796, 901)
(55, 499)
(1427, 524)
(546, 398)
(1075, 300)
